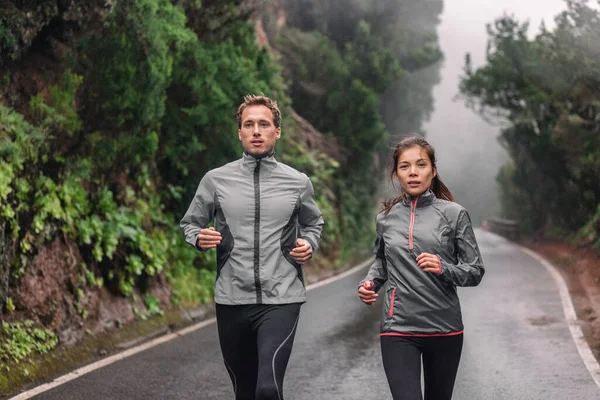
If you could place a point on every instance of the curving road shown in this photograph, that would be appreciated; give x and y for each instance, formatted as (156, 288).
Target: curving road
(517, 346)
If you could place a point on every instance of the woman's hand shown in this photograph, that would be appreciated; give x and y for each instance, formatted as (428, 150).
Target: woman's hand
(429, 263)
(367, 296)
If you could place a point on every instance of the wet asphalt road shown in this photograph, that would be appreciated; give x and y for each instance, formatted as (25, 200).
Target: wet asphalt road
(517, 346)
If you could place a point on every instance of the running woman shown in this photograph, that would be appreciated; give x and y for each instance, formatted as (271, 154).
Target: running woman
(425, 248)
(266, 225)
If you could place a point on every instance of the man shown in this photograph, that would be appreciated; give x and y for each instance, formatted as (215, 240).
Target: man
(267, 224)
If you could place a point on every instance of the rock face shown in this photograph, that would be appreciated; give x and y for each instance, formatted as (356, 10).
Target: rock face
(47, 290)
(53, 293)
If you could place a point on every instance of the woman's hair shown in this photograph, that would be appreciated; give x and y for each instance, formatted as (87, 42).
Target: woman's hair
(440, 190)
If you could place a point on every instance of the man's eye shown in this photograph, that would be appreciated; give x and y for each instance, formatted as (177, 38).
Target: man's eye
(264, 125)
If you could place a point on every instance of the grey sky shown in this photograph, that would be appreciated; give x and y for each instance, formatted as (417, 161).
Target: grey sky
(469, 155)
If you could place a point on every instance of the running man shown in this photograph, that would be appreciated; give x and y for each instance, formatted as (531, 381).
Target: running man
(266, 225)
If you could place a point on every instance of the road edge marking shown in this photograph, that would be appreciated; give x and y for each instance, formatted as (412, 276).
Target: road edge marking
(155, 342)
(585, 352)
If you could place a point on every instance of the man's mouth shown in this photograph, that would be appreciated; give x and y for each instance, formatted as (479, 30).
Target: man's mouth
(256, 142)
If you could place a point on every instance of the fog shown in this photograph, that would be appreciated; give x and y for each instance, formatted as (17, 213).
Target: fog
(469, 155)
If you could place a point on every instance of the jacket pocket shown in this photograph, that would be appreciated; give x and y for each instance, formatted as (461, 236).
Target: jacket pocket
(391, 303)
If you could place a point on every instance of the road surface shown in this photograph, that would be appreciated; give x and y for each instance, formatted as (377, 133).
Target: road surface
(517, 346)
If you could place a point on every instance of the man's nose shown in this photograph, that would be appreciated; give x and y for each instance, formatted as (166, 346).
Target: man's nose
(256, 131)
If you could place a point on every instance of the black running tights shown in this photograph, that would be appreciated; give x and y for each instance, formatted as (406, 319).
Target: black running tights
(402, 363)
(256, 342)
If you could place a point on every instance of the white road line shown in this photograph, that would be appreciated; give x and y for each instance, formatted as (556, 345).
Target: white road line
(155, 342)
(582, 346)
(570, 315)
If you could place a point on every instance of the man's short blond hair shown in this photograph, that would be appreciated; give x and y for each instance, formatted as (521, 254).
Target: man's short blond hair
(254, 100)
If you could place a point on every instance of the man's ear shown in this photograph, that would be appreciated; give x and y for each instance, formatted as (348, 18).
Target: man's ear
(278, 133)
(240, 134)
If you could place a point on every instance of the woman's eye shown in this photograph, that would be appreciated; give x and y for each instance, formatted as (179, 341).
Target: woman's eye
(403, 166)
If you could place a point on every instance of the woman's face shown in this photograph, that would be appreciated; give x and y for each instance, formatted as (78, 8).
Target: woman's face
(414, 171)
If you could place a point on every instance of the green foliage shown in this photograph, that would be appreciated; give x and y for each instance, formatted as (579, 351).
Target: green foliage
(400, 37)
(10, 306)
(152, 305)
(322, 172)
(546, 89)
(342, 58)
(327, 90)
(22, 151)
(8, 41)
(590, 233)
(209, 81)
(191, 274)
(329, 93)
(108, 154)
(19, 340)
(59, 114)
(134, 62)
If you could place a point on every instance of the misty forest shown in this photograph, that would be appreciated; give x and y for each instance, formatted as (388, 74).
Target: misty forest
(112, 111)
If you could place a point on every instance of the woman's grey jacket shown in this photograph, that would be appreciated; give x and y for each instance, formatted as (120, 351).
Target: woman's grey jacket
(260, 207)
(417, 302)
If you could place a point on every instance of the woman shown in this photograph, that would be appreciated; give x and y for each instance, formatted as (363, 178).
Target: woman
(425, 248)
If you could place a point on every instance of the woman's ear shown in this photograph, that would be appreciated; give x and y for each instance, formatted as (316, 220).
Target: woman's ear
(434, 172)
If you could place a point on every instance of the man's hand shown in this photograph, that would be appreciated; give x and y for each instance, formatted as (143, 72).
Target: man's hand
(302, 252)
(209, 238)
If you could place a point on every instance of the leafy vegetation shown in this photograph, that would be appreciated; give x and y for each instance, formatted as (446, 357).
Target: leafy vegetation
(105, 136)
(546, 90)
(343, 59)
(22, 339)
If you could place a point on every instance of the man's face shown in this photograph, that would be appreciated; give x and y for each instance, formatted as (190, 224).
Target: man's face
(258, 133)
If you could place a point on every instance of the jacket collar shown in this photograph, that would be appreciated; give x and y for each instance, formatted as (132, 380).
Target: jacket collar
(422, 201)
(249, 162)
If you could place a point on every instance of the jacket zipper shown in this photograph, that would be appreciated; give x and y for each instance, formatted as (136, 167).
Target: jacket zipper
(392, 302)
(257, 232)
(413, 208)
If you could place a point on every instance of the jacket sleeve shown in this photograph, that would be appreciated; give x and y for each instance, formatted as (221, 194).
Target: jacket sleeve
(310, 218)
(469, 270)
(199, 214)
(378, 270)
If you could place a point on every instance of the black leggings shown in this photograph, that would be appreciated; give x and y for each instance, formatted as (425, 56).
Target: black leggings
(256, 342)
(402, 364)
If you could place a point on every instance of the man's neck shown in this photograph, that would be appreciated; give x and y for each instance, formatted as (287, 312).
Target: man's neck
(261, 155)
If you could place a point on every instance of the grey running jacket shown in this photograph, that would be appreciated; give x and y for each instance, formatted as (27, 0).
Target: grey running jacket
(417, 302)
(260, 207)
